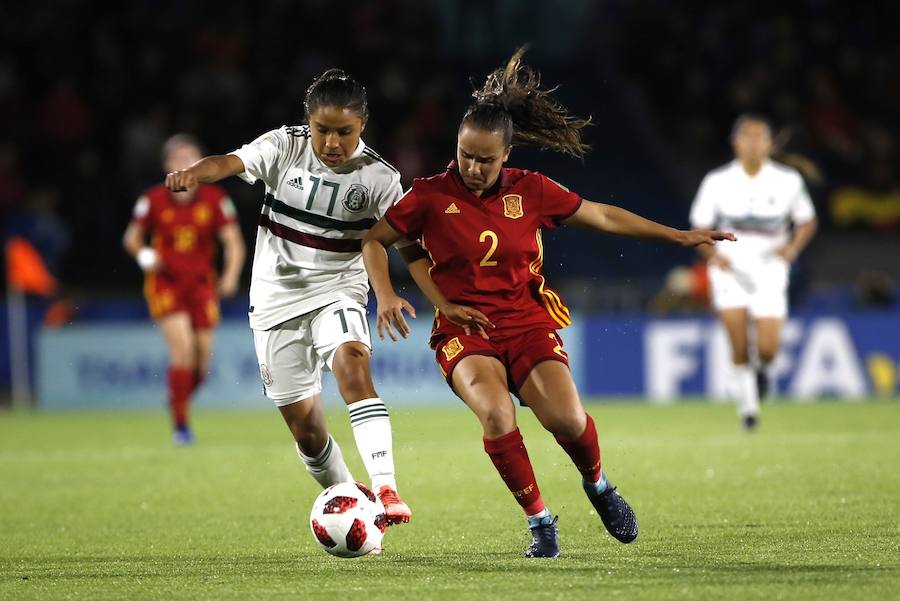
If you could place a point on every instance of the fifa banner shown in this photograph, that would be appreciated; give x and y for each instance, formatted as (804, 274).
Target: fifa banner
(848, 356)
(124, 364)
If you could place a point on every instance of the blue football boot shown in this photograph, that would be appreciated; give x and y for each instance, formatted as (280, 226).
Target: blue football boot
(183, 437)
(614, 512)
(544, 538)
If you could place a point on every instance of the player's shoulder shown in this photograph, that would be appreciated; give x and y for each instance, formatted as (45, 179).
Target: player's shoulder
(300, 132)
(211, 193)
(526, 180)
(157, 194)
(377, 166)
(513, 176)
(286, 138)
(784, 172)
(729, 169)
(439, 183)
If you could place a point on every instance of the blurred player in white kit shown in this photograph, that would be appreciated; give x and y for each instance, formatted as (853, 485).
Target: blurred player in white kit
(768, 208)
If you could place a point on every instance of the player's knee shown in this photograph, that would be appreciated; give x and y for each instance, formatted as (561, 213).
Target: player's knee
(767, 353)
(351, 370)
(739, 356)
(497, 421)
(568, 426)
(182, 354)
(311, 441)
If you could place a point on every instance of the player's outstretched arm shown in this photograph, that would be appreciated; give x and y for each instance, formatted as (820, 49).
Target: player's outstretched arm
(234, 254)
(615, 220)
(469, 318)
(205, 171)
(803, 233)
(390, 306)
(134, 242)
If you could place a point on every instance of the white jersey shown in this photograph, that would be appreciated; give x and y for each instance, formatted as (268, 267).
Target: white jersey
(759, 209)
(313, 219)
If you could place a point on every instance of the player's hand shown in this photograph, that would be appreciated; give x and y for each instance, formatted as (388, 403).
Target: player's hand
(468, 318)
(700, 237)
(390, 316)
(181, 180)
(148, 260)
(787, 253)
(721, 262)
(228, 287)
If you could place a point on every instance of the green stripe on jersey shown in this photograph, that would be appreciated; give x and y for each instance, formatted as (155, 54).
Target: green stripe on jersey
(314, 219)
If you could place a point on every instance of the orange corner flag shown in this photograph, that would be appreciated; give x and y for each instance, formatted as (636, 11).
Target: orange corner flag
(25, 270)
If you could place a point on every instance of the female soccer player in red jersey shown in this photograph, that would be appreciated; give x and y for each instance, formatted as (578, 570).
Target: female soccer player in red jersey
(496, 321)
(180, 286)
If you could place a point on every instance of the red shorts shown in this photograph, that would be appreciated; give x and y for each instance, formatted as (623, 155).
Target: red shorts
(519, 353)
(198, 299)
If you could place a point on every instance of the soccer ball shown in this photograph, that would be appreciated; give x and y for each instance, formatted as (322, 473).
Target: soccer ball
(347, 520)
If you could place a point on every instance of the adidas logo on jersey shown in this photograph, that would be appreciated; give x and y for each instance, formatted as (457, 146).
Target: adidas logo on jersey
(452, 209)
(297, 182)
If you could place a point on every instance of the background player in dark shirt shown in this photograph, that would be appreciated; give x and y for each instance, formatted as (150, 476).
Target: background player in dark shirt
(496, 321)
(181, 286)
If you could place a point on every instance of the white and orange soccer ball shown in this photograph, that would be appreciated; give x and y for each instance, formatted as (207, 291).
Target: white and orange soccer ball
(347, 520)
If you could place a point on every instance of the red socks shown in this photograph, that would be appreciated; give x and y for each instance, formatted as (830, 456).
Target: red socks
(510, 457)
(584, 451)
(181, 384)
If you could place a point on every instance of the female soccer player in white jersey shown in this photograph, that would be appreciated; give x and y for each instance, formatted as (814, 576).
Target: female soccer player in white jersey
(759, 200)
(324, 189)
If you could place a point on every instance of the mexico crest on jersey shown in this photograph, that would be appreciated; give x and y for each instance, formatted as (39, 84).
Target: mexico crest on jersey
(512, 206)
(357, 198)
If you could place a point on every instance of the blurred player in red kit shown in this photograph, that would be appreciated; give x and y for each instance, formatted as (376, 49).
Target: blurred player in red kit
(181, 286)
(496, 323)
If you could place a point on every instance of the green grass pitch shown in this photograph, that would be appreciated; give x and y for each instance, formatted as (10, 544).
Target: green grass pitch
(100, 506)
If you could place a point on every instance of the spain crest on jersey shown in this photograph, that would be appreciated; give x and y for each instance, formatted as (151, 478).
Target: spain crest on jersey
(357, 198)
(512, 206)
(202, 215)
(452, 348)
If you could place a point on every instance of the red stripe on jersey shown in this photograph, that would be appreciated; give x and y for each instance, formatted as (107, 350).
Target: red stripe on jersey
(310, 240)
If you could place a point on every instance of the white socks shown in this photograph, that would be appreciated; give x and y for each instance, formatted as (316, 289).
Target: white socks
(745, 389)
(372, 429)
(327, 467)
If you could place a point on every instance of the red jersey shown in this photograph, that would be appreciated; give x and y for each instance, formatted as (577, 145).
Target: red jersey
(184, 234)
(487, 252)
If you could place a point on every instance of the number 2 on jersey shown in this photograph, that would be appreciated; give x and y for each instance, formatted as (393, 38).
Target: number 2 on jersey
(486, 260)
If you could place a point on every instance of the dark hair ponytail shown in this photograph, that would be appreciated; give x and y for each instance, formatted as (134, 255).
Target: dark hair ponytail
(336, 88)
(511, 101)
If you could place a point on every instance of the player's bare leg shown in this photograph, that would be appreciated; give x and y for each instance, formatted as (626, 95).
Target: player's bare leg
(318, 451)
(371, 426)
(204, 345)
(735, 322)
(481, 382)
(180, 340)
(768, 341)
(550, 392)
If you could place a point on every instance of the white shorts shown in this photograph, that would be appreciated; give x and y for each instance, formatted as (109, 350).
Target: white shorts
(292, 355)
(760, 287)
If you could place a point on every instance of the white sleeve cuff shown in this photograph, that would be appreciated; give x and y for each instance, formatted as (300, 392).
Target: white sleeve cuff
(146, 258)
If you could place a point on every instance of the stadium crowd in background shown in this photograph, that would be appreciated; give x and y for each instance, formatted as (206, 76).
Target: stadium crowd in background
(80, 132)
